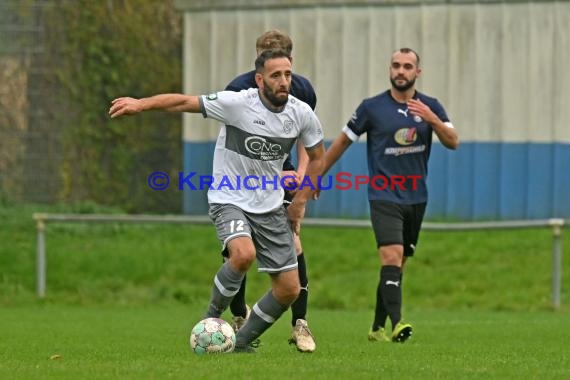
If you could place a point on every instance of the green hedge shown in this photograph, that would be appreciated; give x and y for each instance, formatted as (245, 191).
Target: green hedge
(99, 50)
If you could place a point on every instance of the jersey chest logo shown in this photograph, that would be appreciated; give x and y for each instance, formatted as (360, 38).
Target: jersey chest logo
(263, 149)
(257, 147)
(406, 136)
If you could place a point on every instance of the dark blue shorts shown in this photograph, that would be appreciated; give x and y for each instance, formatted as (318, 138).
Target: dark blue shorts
(395, 223)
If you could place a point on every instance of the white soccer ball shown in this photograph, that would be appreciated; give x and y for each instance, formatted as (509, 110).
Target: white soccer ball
(212, 336)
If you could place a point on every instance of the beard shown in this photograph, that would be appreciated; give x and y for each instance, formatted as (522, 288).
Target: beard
(403, 87)
(275, 100)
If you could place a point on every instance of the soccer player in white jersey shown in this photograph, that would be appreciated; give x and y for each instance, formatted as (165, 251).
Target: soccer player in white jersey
(302, 89)
(260, 127)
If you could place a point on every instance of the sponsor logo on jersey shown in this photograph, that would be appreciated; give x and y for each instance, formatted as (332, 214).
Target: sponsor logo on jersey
(260, 122)
(406, 136)
(263, 149)
(256, 147)
(398, 151)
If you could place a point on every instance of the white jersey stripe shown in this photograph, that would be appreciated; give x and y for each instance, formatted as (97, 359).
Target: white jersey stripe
(351, 135)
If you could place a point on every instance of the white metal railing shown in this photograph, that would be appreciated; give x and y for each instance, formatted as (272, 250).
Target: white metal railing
(555, 224)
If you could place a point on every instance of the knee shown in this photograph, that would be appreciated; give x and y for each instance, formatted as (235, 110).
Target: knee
(242, 257)
(294, 292)
(286, 295)
(392, 255)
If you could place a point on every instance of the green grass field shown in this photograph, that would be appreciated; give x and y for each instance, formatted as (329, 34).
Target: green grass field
(121, 300)
(151, 343)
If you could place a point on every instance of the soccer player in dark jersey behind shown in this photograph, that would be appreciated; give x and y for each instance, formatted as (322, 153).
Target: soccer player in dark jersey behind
(302, 89)
(399, 124)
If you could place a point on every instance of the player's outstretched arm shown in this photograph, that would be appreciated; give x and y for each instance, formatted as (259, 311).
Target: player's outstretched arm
(337, 148)
(162, 102)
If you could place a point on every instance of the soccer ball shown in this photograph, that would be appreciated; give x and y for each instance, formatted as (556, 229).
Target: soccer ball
(212, 336)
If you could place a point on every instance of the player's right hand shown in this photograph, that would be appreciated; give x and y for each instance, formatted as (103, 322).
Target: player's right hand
(125, 106)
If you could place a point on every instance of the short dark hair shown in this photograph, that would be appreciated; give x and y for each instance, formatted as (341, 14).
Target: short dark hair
(407, 50)
(269, 54)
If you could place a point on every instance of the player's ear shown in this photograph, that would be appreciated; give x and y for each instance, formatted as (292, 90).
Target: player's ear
(259, 80)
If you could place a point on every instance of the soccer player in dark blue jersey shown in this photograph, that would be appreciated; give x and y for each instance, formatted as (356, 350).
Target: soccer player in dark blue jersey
(399, 124)
(302, 89)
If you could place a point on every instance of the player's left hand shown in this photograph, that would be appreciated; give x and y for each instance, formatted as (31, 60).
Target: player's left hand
(418, 108)
(125, 106)
(290, 180)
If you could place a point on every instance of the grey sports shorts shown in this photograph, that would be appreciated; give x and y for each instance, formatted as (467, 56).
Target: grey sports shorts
(271, 234)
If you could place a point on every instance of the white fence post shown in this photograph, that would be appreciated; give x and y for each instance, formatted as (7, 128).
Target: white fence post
(556, 261)
(40, 255)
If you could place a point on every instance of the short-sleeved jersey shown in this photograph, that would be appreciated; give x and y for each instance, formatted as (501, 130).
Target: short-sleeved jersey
(254, 142)
(398, 145)
(301, 88)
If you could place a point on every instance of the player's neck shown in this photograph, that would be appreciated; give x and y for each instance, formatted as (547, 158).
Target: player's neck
(402, 96)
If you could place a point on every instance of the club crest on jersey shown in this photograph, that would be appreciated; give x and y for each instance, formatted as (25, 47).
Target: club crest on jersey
(212, 96)
(418, 119)
(288, 126)
(406, 136)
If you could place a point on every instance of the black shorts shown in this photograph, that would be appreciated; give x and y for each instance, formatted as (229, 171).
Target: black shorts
(287, 199)
(395, 223)
(288, 165)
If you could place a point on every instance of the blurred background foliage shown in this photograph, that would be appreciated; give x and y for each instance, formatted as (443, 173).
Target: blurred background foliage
(72, 59)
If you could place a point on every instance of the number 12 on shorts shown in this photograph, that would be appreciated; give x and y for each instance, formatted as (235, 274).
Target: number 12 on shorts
(236, 226)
